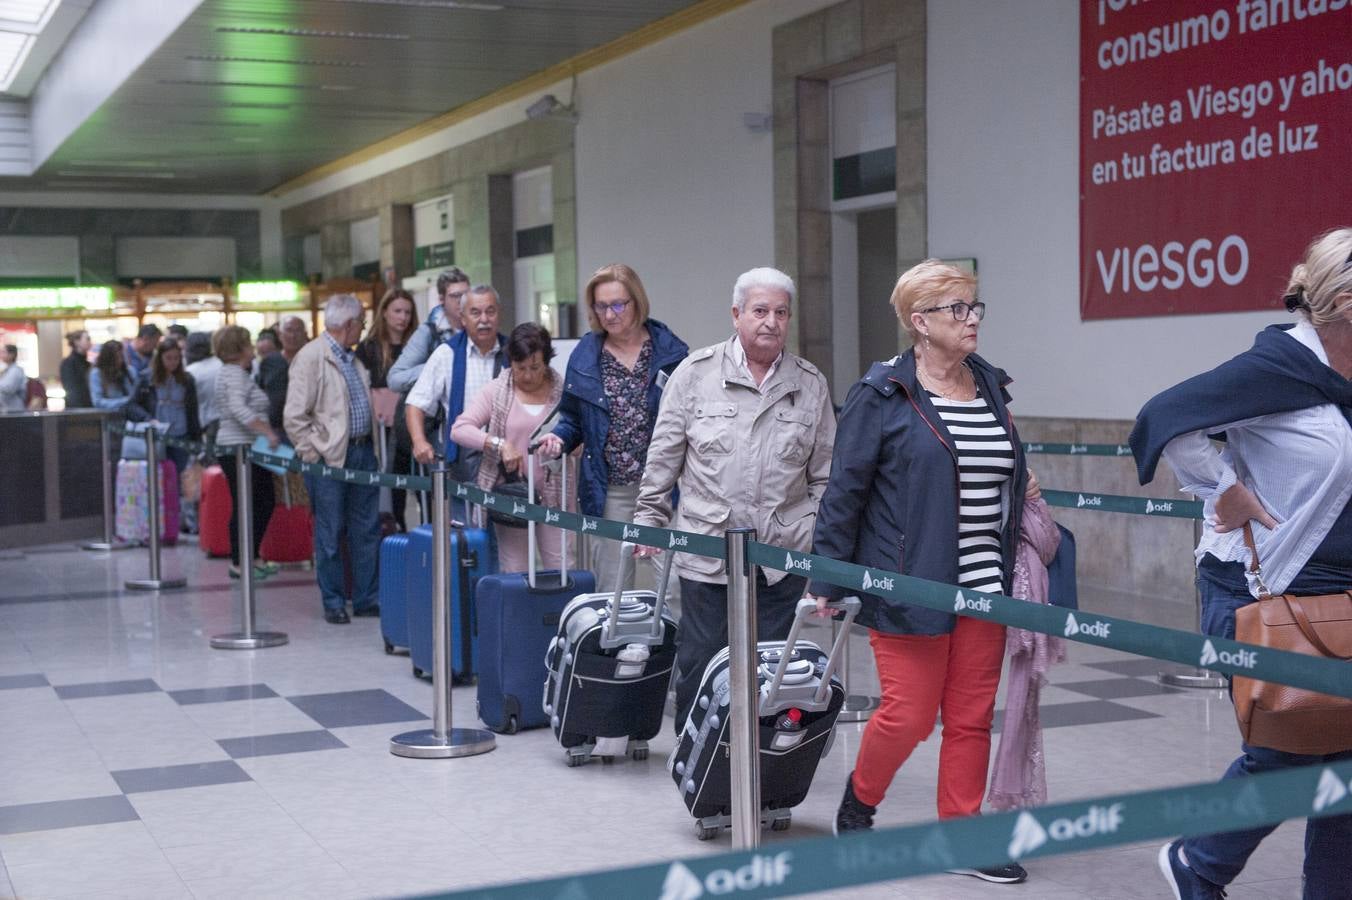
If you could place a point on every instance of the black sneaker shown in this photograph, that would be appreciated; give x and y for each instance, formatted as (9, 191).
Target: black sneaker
(854, 814)
(1186, 884)
(1010, 873)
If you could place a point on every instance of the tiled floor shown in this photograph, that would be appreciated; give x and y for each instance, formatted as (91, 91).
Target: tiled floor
(135, 761)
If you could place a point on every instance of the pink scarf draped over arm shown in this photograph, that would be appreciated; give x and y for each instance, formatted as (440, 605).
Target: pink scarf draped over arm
(1019, 775)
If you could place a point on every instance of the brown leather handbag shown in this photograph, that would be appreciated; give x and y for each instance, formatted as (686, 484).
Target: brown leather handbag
(1286, 718)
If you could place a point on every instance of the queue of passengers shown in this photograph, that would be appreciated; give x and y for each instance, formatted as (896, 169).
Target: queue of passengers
(923, 474)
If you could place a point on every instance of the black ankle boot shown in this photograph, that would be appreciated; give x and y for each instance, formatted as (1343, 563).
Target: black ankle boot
(854, 814)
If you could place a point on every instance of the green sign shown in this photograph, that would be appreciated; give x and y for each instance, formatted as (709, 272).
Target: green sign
(86, 299)
(434, 256)
(268, 293)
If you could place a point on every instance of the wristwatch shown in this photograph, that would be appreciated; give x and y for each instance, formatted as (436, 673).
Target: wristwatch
(497, 443)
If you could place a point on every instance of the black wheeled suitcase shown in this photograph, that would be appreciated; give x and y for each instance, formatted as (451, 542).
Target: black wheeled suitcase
(609, 669)
(800, 698)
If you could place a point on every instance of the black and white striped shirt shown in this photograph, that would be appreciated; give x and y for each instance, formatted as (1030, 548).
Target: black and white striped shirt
(985, 463)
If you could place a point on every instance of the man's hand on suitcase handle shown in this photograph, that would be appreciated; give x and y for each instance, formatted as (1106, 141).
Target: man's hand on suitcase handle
(423, 452)
(643, 551)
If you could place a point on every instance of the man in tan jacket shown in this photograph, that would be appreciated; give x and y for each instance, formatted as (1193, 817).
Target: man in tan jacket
(328, 418)
(745, 432)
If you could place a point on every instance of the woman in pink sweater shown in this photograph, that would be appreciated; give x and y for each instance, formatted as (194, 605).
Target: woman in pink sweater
(500, 420)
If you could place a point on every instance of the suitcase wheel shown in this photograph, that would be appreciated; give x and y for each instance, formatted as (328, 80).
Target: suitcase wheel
(575, 759)
(511, 726)
(418, 673)
(781, 824)
(389, 648)
(639, 753)
(707, 832)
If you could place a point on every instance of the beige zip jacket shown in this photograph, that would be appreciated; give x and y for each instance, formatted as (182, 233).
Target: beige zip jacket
(316, 404)
(741, 455)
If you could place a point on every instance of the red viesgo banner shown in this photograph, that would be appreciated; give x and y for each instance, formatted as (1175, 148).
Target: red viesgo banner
(1215, 143)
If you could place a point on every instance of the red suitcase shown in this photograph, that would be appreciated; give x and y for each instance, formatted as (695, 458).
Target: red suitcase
(290, 534)
(213, 513)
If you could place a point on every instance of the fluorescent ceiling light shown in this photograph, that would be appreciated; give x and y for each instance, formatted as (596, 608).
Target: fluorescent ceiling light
(27, 12)
(316, 32)
(338, 63)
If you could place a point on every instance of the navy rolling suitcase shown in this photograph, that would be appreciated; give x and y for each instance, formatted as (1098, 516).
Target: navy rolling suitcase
(609, 667)
(800, 698)
(394, 592)
(471, 558)
(519, 615)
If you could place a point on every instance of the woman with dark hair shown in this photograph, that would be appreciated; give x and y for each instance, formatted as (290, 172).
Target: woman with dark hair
(109, 381)
(615, 379)
(395, 320)
(167, 394)
(500, 421)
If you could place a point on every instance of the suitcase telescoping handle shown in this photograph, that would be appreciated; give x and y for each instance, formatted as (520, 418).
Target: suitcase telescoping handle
(850, 606)
(659, 605)
(530, 524)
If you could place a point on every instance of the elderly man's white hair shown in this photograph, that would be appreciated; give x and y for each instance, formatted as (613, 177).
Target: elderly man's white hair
(764, 277)
(341, 309)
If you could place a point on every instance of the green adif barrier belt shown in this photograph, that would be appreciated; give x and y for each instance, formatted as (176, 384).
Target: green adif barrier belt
(1218, 654)
(824, 863)
(1078, 449)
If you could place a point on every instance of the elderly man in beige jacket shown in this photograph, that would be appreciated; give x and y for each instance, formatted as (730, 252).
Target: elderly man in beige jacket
(745, 432)
(328, 418)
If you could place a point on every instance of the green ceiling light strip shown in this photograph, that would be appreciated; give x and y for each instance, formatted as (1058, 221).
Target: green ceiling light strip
(268, 293)
(87, 299)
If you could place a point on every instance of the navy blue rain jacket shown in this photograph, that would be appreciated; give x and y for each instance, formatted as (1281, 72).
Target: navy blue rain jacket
(892, 501)
(584, 412)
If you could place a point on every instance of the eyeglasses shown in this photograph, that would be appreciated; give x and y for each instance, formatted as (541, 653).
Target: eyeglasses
(961, 310)
(615, 309)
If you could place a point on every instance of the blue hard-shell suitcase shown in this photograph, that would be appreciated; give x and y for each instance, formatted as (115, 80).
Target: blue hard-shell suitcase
(517, 622)
(471, 558)
(393, 592)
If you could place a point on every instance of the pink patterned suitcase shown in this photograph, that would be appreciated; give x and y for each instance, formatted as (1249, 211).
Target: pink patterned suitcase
(133, 510)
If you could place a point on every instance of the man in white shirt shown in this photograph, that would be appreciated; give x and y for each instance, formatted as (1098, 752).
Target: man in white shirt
(454, 374)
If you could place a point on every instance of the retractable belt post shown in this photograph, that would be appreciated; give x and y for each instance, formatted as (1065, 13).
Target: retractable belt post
(442, 741)
(744, 716)
(154, 582)
(110, 541)
(246, 638)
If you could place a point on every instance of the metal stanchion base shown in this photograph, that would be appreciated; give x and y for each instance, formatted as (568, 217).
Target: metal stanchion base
(1193, 678)
(425, 744)
(107, 546)
(858, 708)
(256, 641)
(154, 584)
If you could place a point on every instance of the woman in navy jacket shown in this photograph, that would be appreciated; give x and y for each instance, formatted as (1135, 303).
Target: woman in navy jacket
(928, 479)
(611, 392)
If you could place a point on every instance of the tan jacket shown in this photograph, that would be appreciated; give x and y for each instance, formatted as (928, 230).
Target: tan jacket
(741, 455)
(316, 403)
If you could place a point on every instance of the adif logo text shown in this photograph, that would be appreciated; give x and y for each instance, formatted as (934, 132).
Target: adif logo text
(762, 872)
(1030, 835)
(1240, 659)
(1090, 629)
(800, 565)
(962, 603)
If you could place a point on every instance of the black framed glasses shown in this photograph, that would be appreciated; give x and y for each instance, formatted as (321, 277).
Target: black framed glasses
(961, 310)
(615, 309)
